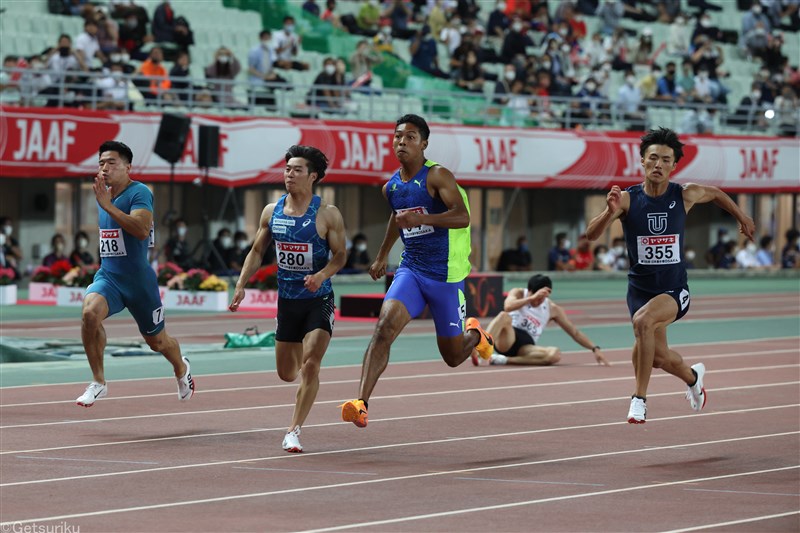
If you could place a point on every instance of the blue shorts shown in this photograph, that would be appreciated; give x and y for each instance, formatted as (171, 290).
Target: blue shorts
(138, 292)
(637, 298)
(446, 300)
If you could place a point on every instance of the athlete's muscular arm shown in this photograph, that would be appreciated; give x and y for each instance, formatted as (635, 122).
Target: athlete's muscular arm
(516, 299)
(617, 204)
(334, 234)
(253, 260)
(702, 194)
(137, 223)
(558, 316)
(378, 268)
(441, 184)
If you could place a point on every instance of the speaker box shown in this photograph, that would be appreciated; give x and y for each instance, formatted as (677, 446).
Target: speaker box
(172, 136)
(208, 147)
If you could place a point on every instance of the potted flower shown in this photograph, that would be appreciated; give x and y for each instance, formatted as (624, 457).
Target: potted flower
(260, 291)
(166, 273)
(196, 290)
(8, 289)
(42, 288)
(73, 285)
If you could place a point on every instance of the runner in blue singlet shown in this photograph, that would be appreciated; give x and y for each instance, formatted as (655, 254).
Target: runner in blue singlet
(653, 216)
(306, 232)
(125, 278)
(430, 213)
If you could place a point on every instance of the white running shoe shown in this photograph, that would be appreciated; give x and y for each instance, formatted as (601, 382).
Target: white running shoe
(696, 394)
(93, 392)
(186, 383)
(637, 414)
(498, 359)
(291, 442)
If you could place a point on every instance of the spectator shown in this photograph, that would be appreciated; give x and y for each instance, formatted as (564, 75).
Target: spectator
(649, 83)
(629, 103)
(516, 42)
(330, 16)
(603, 260)
(727, 260)
(58, 253)
(517, 111)
(424, 55)
(755, 28)
(178, 250)
(559, 256)
(715, 253)
(450, 36)
(184, 36)
(582, 258)
(221, 250)
(787, 111)
(113, 89)
(498, 22)
(107, 30)
(260, 62)
(679, 37)
(323, 93)
(437, 17)
(368, 18)
(467, 10)
(12, 253)
(620, 253)
(61, 60)
(668, 10)
(610, 13)
(617, 48)
(748, 113)
(398, 12)
(225, 67)
(588, 105)
(790, 255)
(515, 259)
(383, 39)
(287, 47)
(705, 27)
(643, 55)
(157, 82)
(179, 77)
(470, 76)
(133, 34)
(502, 87)
(686, 81)
(163, 25)
(746, 257)
(668, 89)
(773, 58)
(766, 252)
(361, 63)
(458, 55)
(688, 257)
(80, 255)
(240, 251)
(87, 43)
(33, 81)
(121, 56)
(358, 260)
(311, 7)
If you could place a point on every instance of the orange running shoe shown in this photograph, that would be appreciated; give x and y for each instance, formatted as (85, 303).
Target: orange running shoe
(485, 347)
(356, 412)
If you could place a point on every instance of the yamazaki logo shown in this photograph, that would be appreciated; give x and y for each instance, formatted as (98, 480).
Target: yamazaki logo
(109, 233)
(655, 241)
(288, 247)
(758, 162)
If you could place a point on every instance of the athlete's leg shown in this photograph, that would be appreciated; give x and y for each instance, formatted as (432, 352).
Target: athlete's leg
(659, 312)
(531, 354)
(313, 349)
(456, 350)
(93, 335)
(169, 348)
(393, 318)
(669, 360)
(502, 331)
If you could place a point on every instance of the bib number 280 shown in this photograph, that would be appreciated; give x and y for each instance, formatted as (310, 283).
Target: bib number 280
(295, 256)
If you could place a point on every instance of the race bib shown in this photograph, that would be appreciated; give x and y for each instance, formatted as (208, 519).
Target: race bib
(416, 231)
(295, 256)
(659, 249)
(111, 243)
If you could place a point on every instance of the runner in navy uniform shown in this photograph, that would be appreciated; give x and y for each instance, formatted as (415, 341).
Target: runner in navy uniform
(653, 216)
(306, 232)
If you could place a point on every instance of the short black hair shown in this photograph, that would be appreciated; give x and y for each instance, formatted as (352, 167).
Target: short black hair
(539, 281)
(766, 240)
(316, 161)
(560, 236)
(262, 33)
(122, 149)
(359, 237)
(664, 136)
(418, 121)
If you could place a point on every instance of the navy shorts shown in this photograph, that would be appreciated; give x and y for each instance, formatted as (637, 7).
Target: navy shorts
(136, 291)
(521, 338)
(446, 300)
(296, 317)
(637, 298)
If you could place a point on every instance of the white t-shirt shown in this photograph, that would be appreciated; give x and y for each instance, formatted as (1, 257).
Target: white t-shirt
(532, 319)
(87, 44)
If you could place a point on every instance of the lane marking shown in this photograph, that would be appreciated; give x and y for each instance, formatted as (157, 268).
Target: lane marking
(449, 440)
(747, 492)
(305, 471)
(530, 481)
(283, 492)
(735, 522)
(84, 460)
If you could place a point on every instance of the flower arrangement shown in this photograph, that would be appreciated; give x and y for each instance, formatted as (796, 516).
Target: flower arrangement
(265, 278)
(55, 273)
(7, 276)
(197, 279)
(166, 272)
(80, 276)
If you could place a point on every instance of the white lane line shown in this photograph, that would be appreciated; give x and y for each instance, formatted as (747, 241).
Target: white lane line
(759, 342)
(306, 471)
(411, 518)
(734, 522)
(794, 494)
(448, 374)
(395, 396)
(38, 458)
(284, 492)
(449, 440)
(529, 481)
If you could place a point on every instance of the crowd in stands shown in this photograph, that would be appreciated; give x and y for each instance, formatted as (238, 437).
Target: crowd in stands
(523, 54)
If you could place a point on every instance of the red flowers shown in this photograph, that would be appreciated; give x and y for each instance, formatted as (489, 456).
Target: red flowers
(265, 278)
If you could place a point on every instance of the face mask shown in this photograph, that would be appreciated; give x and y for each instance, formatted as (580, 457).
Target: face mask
(562, 32)
(546, 65)
(115, 58)
(725, 238)
(132, 23)
(36, 66)
(124, 58)
(2, 239)
(241, 245)
(757, 9)
(606, 67)
(387, 30)
(566, 48)
(680, 21)
(567, 244)
(510, 75)
(59, 247)
(690, 255)
(116, 74)
(361, 247)
(591, 87)
(289, 28)
(751, 247)
(501, 6)
(618, 250)
(83, 243)
(705, 23)
(756, 95)
(330, 69)
(517, 26)
(7, 229)
(265, 45)
(182, 231)
(702, 75)
(630, 80)
(63, 51)
(155, 60)
(226, 242)
(224, 59)
(523, 247)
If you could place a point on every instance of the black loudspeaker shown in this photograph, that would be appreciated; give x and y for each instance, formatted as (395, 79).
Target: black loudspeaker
(172, 137)
(208, 147)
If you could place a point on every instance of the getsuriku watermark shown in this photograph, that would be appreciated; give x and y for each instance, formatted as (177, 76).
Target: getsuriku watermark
(58, 527)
